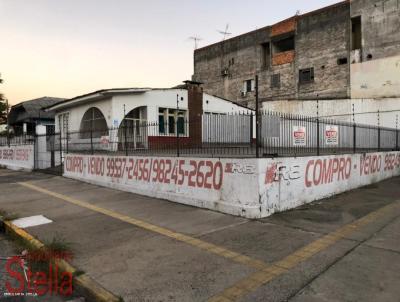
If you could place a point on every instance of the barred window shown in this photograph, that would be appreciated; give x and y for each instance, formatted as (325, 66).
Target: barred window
(306, 75)
(275, 80)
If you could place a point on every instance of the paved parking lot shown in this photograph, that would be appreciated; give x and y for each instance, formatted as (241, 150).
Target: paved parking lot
(346, 248)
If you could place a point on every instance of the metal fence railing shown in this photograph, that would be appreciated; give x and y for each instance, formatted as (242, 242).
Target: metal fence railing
(222, 135)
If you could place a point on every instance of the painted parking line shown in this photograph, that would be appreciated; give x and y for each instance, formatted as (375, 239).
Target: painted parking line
(276, 269)
(209, 247)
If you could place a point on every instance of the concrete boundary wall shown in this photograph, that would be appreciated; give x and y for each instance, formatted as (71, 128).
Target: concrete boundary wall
(251, 188)
(17, 157)
(287, 183)
(225, 185)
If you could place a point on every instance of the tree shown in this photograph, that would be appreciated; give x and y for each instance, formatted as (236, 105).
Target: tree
(3, 107)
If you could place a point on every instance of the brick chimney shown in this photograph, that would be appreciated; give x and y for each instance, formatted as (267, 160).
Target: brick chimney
(195, 107)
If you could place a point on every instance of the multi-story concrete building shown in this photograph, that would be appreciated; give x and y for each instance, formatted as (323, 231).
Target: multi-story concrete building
(349, 52)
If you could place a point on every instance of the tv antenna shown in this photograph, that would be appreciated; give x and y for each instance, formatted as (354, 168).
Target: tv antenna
(225, 32)
(196, 40)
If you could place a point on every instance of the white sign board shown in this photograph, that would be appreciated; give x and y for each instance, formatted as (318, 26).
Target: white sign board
(331, 135)
(299, 136)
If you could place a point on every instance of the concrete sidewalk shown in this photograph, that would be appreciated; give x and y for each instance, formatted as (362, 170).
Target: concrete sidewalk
(145, 249)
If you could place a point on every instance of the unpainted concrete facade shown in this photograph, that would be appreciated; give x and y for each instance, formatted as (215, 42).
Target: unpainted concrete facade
(306, 57)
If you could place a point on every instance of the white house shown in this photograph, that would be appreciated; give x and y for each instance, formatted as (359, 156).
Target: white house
(140, 117)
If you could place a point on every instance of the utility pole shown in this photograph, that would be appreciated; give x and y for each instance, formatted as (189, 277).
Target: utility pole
(257, 121)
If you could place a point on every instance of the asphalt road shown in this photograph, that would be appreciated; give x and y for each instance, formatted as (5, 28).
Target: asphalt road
(345, 248)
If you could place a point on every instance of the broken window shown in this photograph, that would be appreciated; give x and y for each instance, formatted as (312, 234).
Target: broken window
(306, 75)
(282, 45)
(266, 55)
(275, 80)
(356, 33)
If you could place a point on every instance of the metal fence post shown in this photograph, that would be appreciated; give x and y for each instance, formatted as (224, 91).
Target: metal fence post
(91, 140)
(354, 138)
(397, 132)
(379, 139)
(177, 126)
(61, 163)
(67, 141)
(318, 137)
(251, 129)
(126, 138)
(379, 132)
(257, 122)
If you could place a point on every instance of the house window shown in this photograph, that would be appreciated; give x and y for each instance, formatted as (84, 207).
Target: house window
(93, 124)
(248, 86)
(306, 75)
(266, 55)
(63, 124)
(161, 121)
(171, 121)
(275, 80)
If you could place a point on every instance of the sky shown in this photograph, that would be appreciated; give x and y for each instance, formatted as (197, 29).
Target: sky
(64, 48)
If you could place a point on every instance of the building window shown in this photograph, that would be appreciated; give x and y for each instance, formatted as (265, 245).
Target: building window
(306, 75)
(161, 121)
(275, 80)
(63, 124)
(282, 45)
(249, 86)
(266, 55)
(93, 124)
(342, 61)
(356, 33)
(171, 121)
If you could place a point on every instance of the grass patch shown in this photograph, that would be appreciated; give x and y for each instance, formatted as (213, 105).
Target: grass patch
(58, 244)
(79, 272)
(6, 216)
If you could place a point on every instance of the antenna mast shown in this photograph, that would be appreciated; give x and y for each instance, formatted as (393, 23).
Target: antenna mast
(225, 32)
(196, 40)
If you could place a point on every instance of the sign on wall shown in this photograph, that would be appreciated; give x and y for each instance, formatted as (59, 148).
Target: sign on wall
(17, 157)
(331, 135)
(299, 136)
(291, 182)
(226, 185)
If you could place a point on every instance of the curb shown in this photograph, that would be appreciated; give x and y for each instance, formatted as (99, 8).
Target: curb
(84, 284)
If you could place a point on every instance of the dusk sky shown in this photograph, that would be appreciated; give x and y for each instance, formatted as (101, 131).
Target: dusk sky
(64, 48)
